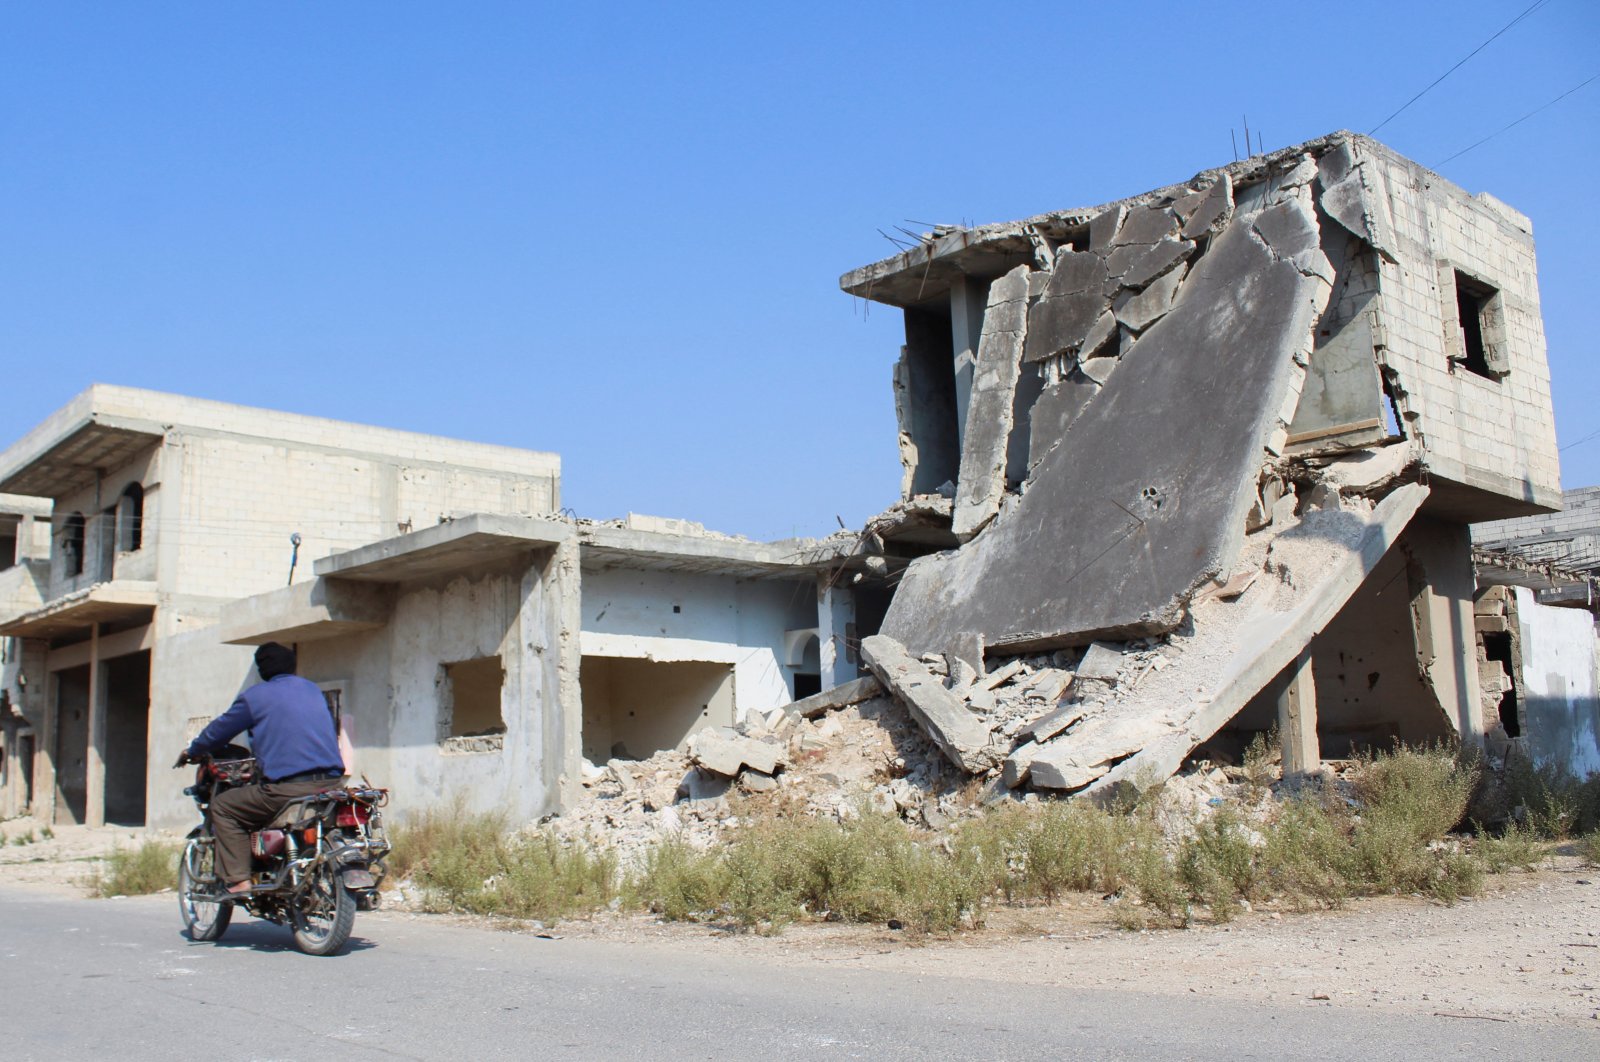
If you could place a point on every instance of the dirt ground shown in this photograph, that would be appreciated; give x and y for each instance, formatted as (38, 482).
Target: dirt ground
(1527, 950)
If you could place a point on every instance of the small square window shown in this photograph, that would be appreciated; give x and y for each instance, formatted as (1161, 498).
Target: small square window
(469, 709)
(1476, 330)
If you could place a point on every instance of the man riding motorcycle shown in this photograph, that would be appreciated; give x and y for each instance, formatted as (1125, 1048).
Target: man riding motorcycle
(296, 745)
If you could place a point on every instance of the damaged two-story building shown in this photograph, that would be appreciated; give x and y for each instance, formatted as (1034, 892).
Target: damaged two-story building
(1243, 421)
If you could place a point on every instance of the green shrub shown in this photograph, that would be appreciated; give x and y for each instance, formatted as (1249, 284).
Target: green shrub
(1307, 858)
(1516, 848)
(1589, 847)
(151, 867)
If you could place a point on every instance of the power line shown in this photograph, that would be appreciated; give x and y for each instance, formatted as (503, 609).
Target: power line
(1596, 432)
(1519, 121)
(1531, 9)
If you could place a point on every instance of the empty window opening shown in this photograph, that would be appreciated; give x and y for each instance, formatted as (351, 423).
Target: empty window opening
(8, 547)
(105, 537)
(634, 708)
(130, 518)
(471, 699)
(72, 538)
(928, 396)
(1497, 649)
(1477, 319)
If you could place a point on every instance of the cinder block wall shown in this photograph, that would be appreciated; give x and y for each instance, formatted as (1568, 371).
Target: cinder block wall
(1497, 436)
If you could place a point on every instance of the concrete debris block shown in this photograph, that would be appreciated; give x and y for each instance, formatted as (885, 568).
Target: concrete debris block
(1342, 399)
(1136, 266)
(700, 784)
(876, 565)
(1075, 759)
(1099, 340)
(757, 782)
(1188, 474)
(1283, 510)
(1101, 661)
(1140, 311)
(1014, 771)
(960, 736)
(723, 755)
(980, 700)
(1054, 722)
(990, 407)
(1147, 225)
(852, 692)
(1371, 470)
(1003, 674)
(1098, 369)
(1227, 590)
(617, 772)
(1061, 324)
(934, 817)
(960, 674)
(1206, 216)
(1103, 228)
(968, 648)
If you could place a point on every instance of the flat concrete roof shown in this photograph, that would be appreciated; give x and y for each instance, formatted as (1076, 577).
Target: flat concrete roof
(620, 547)
(456, 545)
(105, 425)
(102, 603)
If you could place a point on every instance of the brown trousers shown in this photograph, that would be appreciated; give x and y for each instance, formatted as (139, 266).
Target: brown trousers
(238, 811)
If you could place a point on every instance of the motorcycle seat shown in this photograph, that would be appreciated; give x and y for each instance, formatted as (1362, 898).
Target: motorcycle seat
(292, 812)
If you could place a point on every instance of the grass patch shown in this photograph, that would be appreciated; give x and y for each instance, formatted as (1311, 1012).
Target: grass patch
(1315, 849)
(466, 862)
(151, 867)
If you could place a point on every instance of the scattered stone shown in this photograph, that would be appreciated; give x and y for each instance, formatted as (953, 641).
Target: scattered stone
(1101, 661)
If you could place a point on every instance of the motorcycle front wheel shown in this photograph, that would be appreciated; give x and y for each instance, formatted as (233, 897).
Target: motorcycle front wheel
(324, 912)
(203, 919)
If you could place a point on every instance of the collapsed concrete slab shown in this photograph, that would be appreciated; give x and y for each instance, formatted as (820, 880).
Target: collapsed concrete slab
(963, 739)
(853, 692)
(1238, 646)
(726, 756)
(1129, 538)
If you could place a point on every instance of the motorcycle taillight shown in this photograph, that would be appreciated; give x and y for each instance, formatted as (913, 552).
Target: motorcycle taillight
(353, 815)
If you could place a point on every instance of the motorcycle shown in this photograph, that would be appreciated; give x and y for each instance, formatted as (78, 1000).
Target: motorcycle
(317, 862)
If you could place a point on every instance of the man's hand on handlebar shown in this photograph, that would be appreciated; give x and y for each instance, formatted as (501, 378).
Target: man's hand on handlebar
(184, 759)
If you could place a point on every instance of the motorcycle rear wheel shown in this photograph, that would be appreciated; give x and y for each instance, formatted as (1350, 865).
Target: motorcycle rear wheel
(325, 914)
(203, 919)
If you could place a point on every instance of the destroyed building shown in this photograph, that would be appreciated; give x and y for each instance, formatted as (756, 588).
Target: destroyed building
(1228, 434)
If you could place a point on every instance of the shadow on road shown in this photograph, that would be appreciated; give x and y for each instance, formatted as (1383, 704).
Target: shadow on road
(266, 937)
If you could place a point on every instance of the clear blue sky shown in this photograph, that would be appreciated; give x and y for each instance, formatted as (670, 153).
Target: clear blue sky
(616, 230)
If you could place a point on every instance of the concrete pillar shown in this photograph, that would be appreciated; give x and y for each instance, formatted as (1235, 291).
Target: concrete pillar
(44, 756)
(836, 617)
(94, 766)
(968, 298)
(1297, 720)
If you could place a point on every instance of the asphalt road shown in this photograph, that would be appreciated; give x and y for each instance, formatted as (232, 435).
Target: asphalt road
(87, 979)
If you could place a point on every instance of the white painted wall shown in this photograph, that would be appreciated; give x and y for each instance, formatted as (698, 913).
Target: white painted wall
(719, 619)
(1559, 688)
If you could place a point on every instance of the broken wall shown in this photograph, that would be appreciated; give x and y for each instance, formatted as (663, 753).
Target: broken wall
(1558, 688)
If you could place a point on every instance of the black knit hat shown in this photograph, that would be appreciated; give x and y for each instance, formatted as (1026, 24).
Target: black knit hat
(274, 659)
